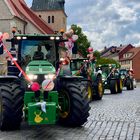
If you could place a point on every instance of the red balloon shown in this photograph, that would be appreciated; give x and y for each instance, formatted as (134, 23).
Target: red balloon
(35, 87)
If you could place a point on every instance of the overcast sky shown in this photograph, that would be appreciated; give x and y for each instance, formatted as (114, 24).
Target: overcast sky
(106, 22)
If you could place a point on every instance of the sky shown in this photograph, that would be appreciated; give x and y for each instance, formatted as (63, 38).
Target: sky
(105, 22)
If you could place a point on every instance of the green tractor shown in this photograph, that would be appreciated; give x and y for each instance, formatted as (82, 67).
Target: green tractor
(49, 97)
(111, 78)
(128, 79)
(92, 79)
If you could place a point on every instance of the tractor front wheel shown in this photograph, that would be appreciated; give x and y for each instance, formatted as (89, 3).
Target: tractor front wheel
(11, 105)
(98, 88)
(74, 105)
(113, 86)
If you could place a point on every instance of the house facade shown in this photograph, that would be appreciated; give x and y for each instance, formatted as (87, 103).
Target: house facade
(131, 60)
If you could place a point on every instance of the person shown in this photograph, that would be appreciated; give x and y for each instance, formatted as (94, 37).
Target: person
(38, 55)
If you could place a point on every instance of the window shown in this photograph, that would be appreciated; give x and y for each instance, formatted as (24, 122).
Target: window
(49, 19)
(52, 19)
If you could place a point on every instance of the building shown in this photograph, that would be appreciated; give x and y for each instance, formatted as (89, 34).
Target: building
(131, 60)
(115, 52)
(15, 13)
(52, 12)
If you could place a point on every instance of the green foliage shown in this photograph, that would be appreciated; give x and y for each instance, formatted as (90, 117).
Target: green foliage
(103, 60)
(97, 54)
(82, 41)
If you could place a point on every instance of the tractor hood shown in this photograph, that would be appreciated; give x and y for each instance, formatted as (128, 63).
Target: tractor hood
(40, 67)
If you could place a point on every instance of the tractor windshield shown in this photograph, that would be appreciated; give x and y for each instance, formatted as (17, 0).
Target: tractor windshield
(76, 65)
(123, 72)
(106, 70)
(38, 50)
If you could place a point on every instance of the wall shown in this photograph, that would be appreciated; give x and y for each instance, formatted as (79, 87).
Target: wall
(136, 66)
(60, 19)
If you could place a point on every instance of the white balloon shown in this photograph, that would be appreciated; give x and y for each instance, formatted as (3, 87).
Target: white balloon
(75, 37)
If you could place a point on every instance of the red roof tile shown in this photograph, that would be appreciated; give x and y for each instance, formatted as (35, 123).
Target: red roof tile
(21, 11)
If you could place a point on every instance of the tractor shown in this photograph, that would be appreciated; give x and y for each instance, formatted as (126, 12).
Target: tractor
(111, 78)
(34, 89)
(92, 79)
(128, 79)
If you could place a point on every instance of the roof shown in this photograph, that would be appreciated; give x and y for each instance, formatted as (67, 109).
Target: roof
(117, 51)
(134, 52)
(21, 10)
(43, 5)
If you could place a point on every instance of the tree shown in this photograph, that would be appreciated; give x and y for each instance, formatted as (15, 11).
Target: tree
(82, 42)
(103, 60)
(97, 54)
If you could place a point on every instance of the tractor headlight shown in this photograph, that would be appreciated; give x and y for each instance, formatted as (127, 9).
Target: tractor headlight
(50, 76)
(32, 76)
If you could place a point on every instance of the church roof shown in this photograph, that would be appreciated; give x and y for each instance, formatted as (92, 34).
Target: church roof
(21, 10)
(43, 5)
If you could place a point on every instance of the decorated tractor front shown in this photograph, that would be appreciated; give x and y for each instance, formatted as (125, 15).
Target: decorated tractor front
(92, 79)
(128, 79)
(111, 78)
(36, 89)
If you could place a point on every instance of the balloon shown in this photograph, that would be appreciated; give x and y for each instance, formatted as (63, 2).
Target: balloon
(75, 37)
(5, 36)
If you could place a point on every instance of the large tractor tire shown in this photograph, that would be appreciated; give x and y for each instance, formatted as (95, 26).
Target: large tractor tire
(98, 89)
(87, 85)
(120, 85)
(11, 106)
(113, 86)
(74, 106)
(129, 84)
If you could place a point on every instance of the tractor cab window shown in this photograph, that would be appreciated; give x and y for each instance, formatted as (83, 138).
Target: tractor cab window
(123, 72)
(76, 65)
(37, 50)
(106, 70)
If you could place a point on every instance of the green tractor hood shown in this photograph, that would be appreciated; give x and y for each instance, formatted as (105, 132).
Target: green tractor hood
(40, 67)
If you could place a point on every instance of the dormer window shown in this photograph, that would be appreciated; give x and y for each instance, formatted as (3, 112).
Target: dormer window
(127, 55)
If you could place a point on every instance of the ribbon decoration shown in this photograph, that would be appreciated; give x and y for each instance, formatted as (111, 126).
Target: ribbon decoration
(13, 60)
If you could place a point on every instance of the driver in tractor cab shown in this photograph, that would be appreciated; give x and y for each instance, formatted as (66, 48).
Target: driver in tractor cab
(38, 55)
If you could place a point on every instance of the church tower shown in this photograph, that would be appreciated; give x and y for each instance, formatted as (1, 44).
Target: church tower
(52, 12)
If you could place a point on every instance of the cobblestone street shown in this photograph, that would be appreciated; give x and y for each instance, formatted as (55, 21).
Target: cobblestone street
(116, 117)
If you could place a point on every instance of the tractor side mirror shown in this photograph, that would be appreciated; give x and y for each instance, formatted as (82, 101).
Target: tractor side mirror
(1, 49)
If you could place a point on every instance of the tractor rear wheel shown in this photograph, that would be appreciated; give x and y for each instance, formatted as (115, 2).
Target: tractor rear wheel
(113, 86)
(11, 105)
(74, 106)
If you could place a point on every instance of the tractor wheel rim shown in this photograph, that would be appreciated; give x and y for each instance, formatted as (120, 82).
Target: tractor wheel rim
(89, 92)
(100, 89)
(65, 110)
